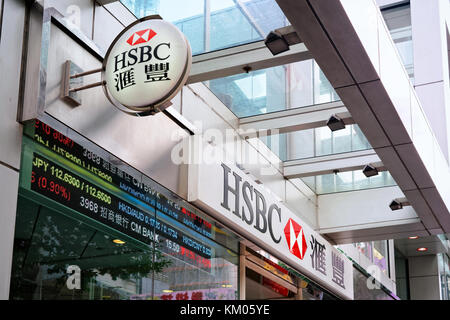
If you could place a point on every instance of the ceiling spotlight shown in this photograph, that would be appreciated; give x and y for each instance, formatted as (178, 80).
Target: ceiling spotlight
(370, 171)
(423, 249)
(276, 43)
(413, 237)
(335, 123)
(395, 205)
(398, 204)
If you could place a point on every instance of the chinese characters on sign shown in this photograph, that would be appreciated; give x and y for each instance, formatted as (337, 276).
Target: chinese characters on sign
(153, 72)
(318, 261)
(201, 294)
(125, 79)
(338, 270)
(157, 72)
(318, 258)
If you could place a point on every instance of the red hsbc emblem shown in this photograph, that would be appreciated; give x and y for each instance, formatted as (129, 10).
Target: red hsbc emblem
(295, 238)
(142, 36)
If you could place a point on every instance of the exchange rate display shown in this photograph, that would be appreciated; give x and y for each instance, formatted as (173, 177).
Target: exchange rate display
(54, 181)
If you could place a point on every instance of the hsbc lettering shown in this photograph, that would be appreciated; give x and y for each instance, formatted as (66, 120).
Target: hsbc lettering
(256, 211)
(141, 55)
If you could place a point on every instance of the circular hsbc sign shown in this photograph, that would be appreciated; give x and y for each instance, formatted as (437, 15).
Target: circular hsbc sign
(146, 66)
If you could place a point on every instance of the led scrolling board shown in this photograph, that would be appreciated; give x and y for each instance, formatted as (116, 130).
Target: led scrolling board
(73, 191)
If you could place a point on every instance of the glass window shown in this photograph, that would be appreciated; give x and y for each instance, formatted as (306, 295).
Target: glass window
(398, 21)
(365, 248)
(252, 93)
(301, 83)
(215, 24)
(347, 181)
(444, 274)
(381, 255)
(300, 144)
(285, 284)
(123, 235)
(362, 291)
(274, 89)
(323, 91)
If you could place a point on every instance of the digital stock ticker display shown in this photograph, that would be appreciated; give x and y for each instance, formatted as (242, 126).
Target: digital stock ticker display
(115, 198)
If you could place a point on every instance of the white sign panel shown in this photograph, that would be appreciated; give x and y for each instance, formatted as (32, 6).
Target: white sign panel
(227, 193)
(146, 65)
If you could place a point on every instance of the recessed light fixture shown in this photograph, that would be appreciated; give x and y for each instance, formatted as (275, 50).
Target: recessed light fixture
(167, 291)
(227, 286)
(118, 241)
(423, 249)
(413, 237)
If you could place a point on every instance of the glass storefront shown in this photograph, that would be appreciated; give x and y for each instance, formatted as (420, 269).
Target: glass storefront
(365, 289)
(444, 275)
(267, 278)
(377, 252)
(89, 227)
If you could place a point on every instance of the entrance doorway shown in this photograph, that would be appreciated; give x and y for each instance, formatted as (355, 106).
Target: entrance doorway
(267, 278)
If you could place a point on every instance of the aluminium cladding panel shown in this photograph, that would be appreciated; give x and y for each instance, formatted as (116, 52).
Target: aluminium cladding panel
(145, 143)
(10, 66)
(362, 209)
(269, 224)
(8, 198)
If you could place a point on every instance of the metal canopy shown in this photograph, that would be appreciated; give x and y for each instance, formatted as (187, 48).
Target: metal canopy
(361, 63)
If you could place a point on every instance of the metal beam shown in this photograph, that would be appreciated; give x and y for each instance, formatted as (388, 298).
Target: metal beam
(342, 162)
(236, 60)
(293, 119)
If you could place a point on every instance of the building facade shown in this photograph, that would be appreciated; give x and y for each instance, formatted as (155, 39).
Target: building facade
(316, 172)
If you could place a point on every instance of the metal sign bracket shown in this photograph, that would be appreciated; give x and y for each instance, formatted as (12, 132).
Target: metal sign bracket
(73, 82)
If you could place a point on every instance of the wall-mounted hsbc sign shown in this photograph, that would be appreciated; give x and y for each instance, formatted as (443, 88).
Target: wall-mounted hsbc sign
(146, 65)
(245, 206)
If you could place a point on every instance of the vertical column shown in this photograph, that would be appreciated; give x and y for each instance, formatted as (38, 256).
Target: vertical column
(424, 278)
(10, 132)
(207, 24)
(431, 66)
(242, 253)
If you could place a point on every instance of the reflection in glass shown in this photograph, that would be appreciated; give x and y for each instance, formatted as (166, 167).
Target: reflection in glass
(376, 252)
(47, 242)
(365, 248)
(398, 21)
(257, 92)
(281, 285)
(362, 290)
(215, 24)
(380, 255)
(347, 181)
(444, 274)
(273, 89)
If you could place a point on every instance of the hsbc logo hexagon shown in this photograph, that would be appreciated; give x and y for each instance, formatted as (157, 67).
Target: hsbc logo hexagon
(142, 36)
(295, 238)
